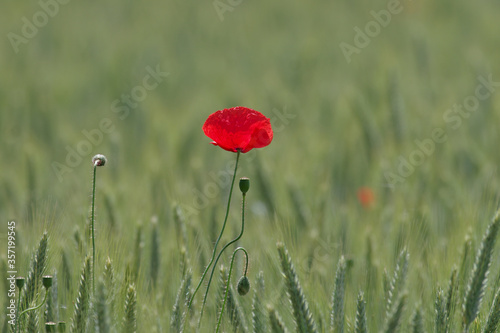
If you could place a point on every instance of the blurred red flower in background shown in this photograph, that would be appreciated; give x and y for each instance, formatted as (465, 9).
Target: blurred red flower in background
(238, 128)
(366, 197)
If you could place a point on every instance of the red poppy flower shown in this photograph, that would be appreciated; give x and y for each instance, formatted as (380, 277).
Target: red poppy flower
(238, 128)
(366, 197)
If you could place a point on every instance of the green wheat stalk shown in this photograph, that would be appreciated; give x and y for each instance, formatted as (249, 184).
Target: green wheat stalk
(109, 287)
(102, 310)
(180, 227)
(451, 296)
(417, 321)
(139, 245)
(155, 255)
(494, 315)
(109, 277)
(82, 303)
(33, 282)
(337, 314)
(32, 326)
(393, 320)
(235, 312)
(465, 266)
(479, 274)
(259, 319)
(386, 283)
(66, 272)
(275, 321)
(303, 317)
(221, 294)
(176, 318)
(360, 325)
(130, 318)
(441, 321)
(234, 309)
(77, 237)
(396, 285)
(371, 268)
(187, 295)
(35, 274)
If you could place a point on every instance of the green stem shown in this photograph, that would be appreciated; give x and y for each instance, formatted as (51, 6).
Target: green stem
(32, 309)
(228, 281)
(17, 310)
(226, 246)
(92, 219)
(218, 239)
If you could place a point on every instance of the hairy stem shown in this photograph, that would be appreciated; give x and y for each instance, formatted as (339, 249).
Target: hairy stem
(216, 242)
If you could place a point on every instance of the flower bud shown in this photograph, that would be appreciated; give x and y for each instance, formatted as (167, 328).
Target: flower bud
(47, 281)
(99, 160)
(20, 282)
(244, 185)
(243, 285)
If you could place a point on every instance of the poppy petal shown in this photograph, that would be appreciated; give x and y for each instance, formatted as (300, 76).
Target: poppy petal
(239, 128)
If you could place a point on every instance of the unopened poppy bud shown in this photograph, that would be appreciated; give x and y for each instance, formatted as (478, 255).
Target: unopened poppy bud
(20, 282)
(47, 281)
(244, 185)
(243, 285)
(99, 160)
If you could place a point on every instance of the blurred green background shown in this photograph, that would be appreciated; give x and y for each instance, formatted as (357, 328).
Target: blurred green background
(339, 125)
(342, 129)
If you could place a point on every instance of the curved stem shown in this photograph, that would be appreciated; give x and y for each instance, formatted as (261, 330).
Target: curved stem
(226, 246)
(33, 308)
(228, 281)
(92, 220)
(218, 239)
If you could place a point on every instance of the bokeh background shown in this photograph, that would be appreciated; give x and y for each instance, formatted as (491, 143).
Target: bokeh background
(339, 125)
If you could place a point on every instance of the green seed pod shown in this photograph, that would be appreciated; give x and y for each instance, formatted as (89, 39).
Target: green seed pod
(61, 327)
(99, 160)
(20, 282)
(50, 327)
(243, 285)
(244, 185)
(47, 281)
